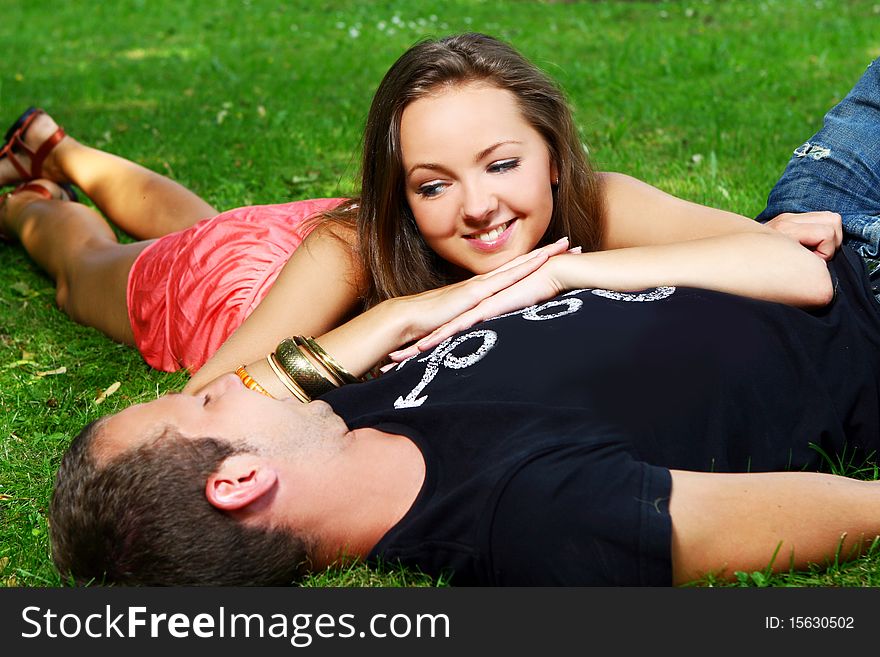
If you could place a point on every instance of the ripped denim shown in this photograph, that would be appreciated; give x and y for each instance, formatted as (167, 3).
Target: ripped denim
(838, 170)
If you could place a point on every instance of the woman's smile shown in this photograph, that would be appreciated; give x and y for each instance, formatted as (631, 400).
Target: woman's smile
(492, 239)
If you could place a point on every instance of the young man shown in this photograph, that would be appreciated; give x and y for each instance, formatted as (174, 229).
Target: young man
(598, 438)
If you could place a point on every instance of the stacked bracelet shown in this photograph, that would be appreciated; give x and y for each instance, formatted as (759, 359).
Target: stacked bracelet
(307, 378)
(336, 370)
(301, 370)
(286, 381)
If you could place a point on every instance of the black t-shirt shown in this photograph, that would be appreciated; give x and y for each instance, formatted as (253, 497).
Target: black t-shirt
(548, 433)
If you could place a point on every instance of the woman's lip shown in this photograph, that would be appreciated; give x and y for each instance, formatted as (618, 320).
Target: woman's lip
(497, 243)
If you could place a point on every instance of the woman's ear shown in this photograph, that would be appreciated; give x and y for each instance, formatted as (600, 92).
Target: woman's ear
(241, 480)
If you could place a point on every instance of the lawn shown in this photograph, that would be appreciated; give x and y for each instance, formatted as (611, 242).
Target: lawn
(257, 101)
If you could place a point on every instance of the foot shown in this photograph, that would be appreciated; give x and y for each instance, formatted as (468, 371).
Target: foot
(30, 148)
(12, 203)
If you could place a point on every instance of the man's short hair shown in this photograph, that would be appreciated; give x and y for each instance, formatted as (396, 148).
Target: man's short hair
(143, 518)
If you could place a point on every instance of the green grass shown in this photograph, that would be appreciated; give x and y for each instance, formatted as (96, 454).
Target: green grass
(257, 101)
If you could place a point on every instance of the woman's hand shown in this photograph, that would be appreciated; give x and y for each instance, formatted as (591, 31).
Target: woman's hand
(430, 310)
(366, 339)
(820, 232)
(539, 285)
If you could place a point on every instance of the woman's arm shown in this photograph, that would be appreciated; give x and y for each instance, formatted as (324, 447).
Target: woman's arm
(770, 267)
(653, 238)
(639, 214)
(317, 289)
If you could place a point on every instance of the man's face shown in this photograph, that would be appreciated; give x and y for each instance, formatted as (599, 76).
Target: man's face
(227, 410)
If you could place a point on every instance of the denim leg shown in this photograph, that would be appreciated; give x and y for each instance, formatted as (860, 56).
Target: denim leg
(838, 170)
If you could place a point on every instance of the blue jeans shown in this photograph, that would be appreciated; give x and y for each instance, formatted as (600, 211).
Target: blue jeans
(838, 170)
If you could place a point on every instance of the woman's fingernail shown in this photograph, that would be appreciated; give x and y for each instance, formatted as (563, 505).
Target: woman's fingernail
(562, 239)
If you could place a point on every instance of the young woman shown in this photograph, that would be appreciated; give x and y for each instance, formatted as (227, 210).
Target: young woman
(471, 166)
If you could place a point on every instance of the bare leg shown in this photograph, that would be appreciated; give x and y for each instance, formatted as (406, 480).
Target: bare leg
(141, 202)
(78, 249)
(722, 523)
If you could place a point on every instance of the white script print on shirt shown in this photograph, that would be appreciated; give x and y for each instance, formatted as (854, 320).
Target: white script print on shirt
(441, 355)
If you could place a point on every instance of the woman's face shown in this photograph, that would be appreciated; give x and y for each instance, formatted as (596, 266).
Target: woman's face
(478, 177)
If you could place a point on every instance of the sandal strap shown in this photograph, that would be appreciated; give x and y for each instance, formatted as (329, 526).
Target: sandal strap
(44, 149)
(34, 187)
(7, 153)
(16, 140)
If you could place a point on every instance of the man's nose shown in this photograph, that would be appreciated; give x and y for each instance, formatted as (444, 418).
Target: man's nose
(222, 384)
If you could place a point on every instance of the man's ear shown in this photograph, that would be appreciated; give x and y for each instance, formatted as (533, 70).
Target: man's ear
(241, 480)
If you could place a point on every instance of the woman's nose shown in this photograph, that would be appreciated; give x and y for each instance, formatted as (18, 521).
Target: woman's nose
(478, 204)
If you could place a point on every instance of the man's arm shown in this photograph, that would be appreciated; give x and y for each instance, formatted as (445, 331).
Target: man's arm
(723, 523)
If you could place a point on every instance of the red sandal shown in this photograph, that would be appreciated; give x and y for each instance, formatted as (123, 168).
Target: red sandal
(15, 141)
(37, 188)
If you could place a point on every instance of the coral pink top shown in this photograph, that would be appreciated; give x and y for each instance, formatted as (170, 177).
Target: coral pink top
(188, 291)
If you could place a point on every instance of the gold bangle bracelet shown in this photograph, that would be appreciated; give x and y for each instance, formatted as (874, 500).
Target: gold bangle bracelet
(286, 381)
(301, 369)
(327, 360)
(305, 349)
(250, 383)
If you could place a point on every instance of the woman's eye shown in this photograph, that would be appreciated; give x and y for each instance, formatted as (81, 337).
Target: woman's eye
(431, 189)
(504, 165)
(206, 400)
